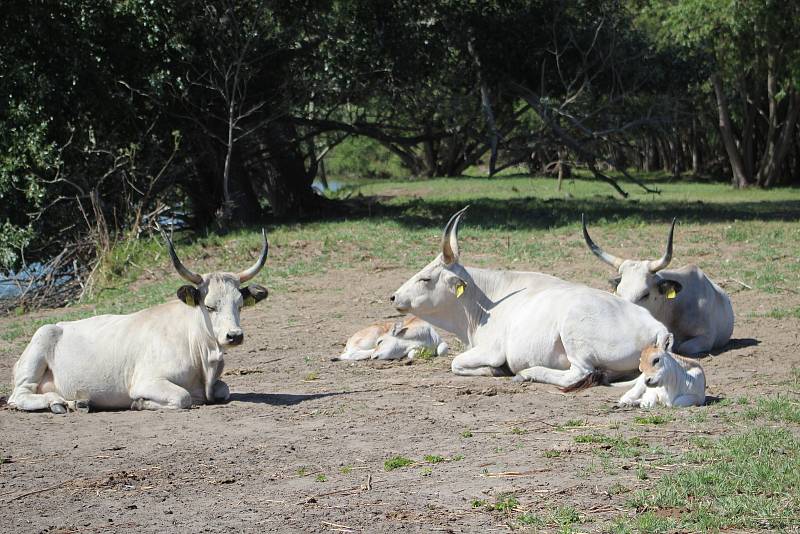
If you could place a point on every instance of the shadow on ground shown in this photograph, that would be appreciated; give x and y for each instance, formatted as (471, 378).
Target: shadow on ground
(535, 213)
(281, 399)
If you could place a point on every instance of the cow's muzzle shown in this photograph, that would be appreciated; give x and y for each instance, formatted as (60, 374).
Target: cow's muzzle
(234, 338)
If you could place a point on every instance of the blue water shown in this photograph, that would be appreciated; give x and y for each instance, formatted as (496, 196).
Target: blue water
(333, 186)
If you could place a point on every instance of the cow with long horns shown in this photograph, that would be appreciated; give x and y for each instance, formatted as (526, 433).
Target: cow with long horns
(533, 325)
(695, 309)
(167, 356)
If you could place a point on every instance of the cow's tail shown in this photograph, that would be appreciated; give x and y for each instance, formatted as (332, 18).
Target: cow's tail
(595, 378)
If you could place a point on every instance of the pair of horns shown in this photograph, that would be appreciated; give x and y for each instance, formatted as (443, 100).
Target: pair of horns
(196, 279)
(652, 265)
(450, 238)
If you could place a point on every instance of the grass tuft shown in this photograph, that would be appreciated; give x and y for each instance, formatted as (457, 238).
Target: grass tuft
(396, 463)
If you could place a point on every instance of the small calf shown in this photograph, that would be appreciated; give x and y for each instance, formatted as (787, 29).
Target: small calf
(668, 379)
(392, 341)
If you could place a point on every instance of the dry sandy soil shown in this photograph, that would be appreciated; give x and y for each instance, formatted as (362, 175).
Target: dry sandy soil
(301, 445)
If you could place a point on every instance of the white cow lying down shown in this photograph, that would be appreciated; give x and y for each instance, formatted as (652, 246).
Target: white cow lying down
(537, 326)
(167, 356)
(668, 379)
(392, 341)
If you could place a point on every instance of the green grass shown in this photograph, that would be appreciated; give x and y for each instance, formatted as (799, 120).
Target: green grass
(396, 463)
(434, 459)
(779, 408)
(652, 419)
(615, 445)
(505, 503)
(749, 481)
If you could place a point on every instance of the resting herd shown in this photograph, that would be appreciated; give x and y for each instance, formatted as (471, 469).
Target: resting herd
(528, 325)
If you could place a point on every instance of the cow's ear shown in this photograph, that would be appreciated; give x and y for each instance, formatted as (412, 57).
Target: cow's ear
(614, 282)
(189, 295)
(457, 285)
(253, 293)
(669, 288)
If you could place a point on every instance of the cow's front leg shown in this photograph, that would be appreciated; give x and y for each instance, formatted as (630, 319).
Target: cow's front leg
(221, 392)
(479, 361)
(214, 391)
(557, 377)
(159, 395)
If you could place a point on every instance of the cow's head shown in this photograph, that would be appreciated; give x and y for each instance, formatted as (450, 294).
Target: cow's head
(639, 281)
(219, 295)
(440, 283)
(653, 362)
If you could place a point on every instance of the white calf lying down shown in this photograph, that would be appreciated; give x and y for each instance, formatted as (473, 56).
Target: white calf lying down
(167, 356)
(668, 379)
(392, 341)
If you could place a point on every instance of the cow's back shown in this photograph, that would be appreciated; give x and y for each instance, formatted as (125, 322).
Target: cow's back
(610, 331)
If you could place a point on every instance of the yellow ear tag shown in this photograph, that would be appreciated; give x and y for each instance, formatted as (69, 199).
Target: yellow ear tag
(671, 294)
(460, 289)
(249, 301)
(190, 299)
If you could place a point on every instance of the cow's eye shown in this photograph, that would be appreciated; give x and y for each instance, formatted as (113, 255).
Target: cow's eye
(378, 342)
(655, 362)
(426, 280)
(211, 308)
(645, 296)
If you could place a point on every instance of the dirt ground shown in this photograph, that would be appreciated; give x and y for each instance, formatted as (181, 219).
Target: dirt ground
(301, 445)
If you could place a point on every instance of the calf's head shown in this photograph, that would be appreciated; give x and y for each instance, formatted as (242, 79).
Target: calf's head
(654, 361)
(219, 295)
(440, 283)
(392, 344)
(639, 280)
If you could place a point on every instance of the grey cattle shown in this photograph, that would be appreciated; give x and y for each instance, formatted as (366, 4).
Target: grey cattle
(166, 356)
(538, 327)
(695, 309)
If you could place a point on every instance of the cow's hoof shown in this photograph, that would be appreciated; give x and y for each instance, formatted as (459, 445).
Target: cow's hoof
(138, 404)
(58, 407)
(82, 405)
(519, 378)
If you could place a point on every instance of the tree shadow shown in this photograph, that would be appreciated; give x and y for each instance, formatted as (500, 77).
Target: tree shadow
(527, 213)
(281, 399)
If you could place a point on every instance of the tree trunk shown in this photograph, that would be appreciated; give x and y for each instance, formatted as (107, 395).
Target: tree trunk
(740, 178)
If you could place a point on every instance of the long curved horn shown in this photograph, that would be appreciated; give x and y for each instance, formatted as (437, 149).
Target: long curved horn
(610, 259)
(246, 275)
(657, 265)
(450, 238)
(194, 278)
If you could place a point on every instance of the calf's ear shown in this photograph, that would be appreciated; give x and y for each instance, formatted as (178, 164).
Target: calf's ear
(669, 288)
(189, 295)
(253, 293)
(614, 282)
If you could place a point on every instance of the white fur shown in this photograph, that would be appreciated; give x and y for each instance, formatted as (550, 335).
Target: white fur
(674, 384)
(167, 356)
(390, 341)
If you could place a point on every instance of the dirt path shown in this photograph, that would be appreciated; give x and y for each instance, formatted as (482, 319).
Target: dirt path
(302, 444)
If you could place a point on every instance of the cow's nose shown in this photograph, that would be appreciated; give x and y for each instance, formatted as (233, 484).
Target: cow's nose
(235, 337)
(391, 299)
